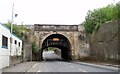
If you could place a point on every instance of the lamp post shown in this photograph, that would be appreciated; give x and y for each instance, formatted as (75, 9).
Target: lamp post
(12, 19)
(11, 29)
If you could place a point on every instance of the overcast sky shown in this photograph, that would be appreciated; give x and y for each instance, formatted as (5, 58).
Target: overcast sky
(67, 12)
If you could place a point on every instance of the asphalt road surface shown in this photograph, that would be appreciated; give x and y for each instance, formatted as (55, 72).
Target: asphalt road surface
(53, 63)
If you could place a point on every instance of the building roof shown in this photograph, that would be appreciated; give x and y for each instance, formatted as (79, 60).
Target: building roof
(9, 30)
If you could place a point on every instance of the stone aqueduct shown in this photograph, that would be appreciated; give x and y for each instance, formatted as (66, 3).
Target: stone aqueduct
(67, 33)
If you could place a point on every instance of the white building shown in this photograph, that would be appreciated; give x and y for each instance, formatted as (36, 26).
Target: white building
(5, 49)
(16, 46)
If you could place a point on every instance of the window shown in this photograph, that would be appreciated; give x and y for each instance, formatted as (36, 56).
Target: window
(19, 44)
(15, 41)
(4, 42)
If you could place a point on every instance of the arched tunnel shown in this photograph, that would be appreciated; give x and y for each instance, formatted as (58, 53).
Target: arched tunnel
(58, 41)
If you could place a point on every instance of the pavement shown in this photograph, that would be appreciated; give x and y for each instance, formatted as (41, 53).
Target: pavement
(22, 67)
(0, 71)
(103, 66)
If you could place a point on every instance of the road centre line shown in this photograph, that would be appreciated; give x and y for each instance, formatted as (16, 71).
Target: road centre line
(71, 66)
(82, 70)
(39, 71)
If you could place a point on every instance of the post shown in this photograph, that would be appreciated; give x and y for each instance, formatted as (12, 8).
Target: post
(12, 18)
(11, 29)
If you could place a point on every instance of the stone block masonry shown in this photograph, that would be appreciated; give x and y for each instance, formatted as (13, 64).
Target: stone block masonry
(104, 43)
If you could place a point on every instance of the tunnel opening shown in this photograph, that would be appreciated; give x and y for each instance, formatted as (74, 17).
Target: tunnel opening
(59, 42)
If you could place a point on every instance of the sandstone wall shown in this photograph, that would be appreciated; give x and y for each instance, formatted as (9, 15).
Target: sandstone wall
(84, 50)
(58, 52)
(71, 36)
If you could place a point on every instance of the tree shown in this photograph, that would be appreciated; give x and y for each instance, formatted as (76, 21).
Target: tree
(99, 16)
(18, 30)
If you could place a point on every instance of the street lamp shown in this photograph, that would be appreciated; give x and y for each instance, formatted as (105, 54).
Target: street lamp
(12, 20)
(11, 29)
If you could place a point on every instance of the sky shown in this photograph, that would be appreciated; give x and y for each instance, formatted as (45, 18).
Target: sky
(67, 12)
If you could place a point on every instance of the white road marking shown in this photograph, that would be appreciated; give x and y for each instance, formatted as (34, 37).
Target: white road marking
(34, 65)
(82, 70)
(60, 62)
(39, 71)
(72, 66)
(67, 64)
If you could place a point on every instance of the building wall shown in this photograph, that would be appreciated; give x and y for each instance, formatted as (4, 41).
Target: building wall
(0, 61)
(16, 49)
(5, 52)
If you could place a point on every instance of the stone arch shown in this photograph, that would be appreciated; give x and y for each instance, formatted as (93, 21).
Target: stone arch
(51, 34)
(65, 47)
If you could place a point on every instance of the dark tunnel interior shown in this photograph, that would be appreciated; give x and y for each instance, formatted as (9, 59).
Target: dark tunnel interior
(58, 41)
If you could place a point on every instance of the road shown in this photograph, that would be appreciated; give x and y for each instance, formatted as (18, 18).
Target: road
(52, 65)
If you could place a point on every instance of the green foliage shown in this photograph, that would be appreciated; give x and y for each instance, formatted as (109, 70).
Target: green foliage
(34, 47)
(51, 48)
(99, 16)
(18, 30)
(118, 8)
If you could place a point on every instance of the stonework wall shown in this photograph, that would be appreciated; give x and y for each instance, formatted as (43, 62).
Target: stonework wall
(71, 36)
(104, 42)
(79, 47)
(27, 47)
(16, 59)
(58, 52)
(84, 51)
(27, 55)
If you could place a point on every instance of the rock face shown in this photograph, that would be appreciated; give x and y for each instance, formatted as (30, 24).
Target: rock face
(104, 43)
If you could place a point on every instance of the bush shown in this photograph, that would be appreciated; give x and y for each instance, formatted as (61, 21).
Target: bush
(34, 47)
(99, 16)
(17, 30)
